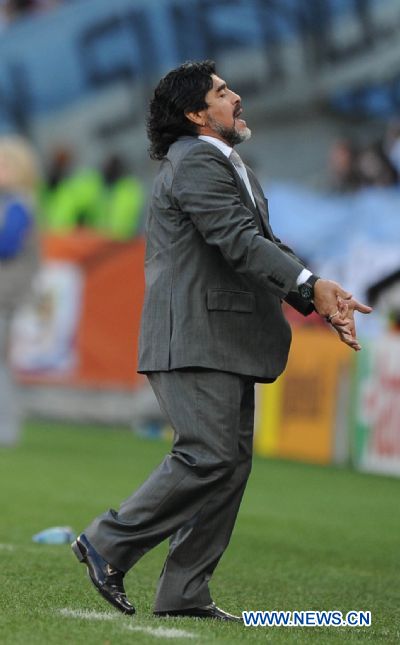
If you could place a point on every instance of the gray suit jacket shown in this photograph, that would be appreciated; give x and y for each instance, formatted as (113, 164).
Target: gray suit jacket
(215, 273)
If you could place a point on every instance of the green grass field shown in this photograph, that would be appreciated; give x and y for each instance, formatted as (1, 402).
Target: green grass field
(306, 538)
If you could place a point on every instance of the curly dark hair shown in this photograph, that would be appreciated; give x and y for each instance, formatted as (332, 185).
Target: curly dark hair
(182, 90)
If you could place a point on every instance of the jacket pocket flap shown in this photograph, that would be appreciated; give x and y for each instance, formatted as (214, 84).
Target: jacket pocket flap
(223, 300)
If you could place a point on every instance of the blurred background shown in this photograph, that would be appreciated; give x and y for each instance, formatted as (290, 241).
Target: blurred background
(320, 85)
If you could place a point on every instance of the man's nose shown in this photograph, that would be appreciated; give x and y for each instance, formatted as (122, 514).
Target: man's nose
(236, 98)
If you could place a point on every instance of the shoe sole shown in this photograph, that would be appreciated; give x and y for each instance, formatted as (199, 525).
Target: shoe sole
(178, 614)
(75, 548)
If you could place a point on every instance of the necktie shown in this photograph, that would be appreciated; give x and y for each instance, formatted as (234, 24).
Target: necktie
(236, 160)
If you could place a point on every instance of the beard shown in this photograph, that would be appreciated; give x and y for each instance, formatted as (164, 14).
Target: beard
(231, 135)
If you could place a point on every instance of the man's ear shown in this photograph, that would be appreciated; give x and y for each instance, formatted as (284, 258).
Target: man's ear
(198, 118)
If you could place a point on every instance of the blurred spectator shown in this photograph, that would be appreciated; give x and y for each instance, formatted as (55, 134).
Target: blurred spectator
(385, 296)
(11, 10)
(5, 16)
(19, 260)
(17, 8)
(352, 168)
(343, 166)
(375, 168)
(70, 198)
(53, 208)
(60, 166)
(392, 144)
(122, 202)
(110, 201)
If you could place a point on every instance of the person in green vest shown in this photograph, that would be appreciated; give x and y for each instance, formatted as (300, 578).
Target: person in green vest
(109, 201)
(122, 201)
(70, 198)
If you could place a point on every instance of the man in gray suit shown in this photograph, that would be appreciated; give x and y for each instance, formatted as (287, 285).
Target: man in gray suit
(212, 326)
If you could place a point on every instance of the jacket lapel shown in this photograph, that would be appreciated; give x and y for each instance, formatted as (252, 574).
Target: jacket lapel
(261, 202)
(260, 210)
(246, 198)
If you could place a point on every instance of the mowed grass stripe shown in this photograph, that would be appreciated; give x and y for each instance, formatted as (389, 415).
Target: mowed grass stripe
(307, 537)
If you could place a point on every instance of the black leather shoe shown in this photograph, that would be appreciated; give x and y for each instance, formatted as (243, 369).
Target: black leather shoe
(208, 611)
(107, 580)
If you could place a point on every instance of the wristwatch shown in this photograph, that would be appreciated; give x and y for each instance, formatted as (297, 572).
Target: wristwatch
(306, 289)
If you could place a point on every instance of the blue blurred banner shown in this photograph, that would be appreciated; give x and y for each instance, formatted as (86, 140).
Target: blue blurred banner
(54, 59)
(51, 59)
(325, 226)
(353, 239)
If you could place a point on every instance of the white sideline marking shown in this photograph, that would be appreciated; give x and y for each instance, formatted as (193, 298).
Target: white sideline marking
(7, 547)
(86, 614)
(158, 632)
(161, 632)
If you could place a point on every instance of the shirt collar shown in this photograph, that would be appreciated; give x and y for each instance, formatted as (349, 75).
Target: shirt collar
(221, 145)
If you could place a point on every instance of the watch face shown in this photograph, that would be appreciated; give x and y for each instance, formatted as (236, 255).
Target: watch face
(306, 291)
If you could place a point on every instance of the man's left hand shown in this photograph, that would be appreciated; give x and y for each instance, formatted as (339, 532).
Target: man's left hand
(344, 323)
